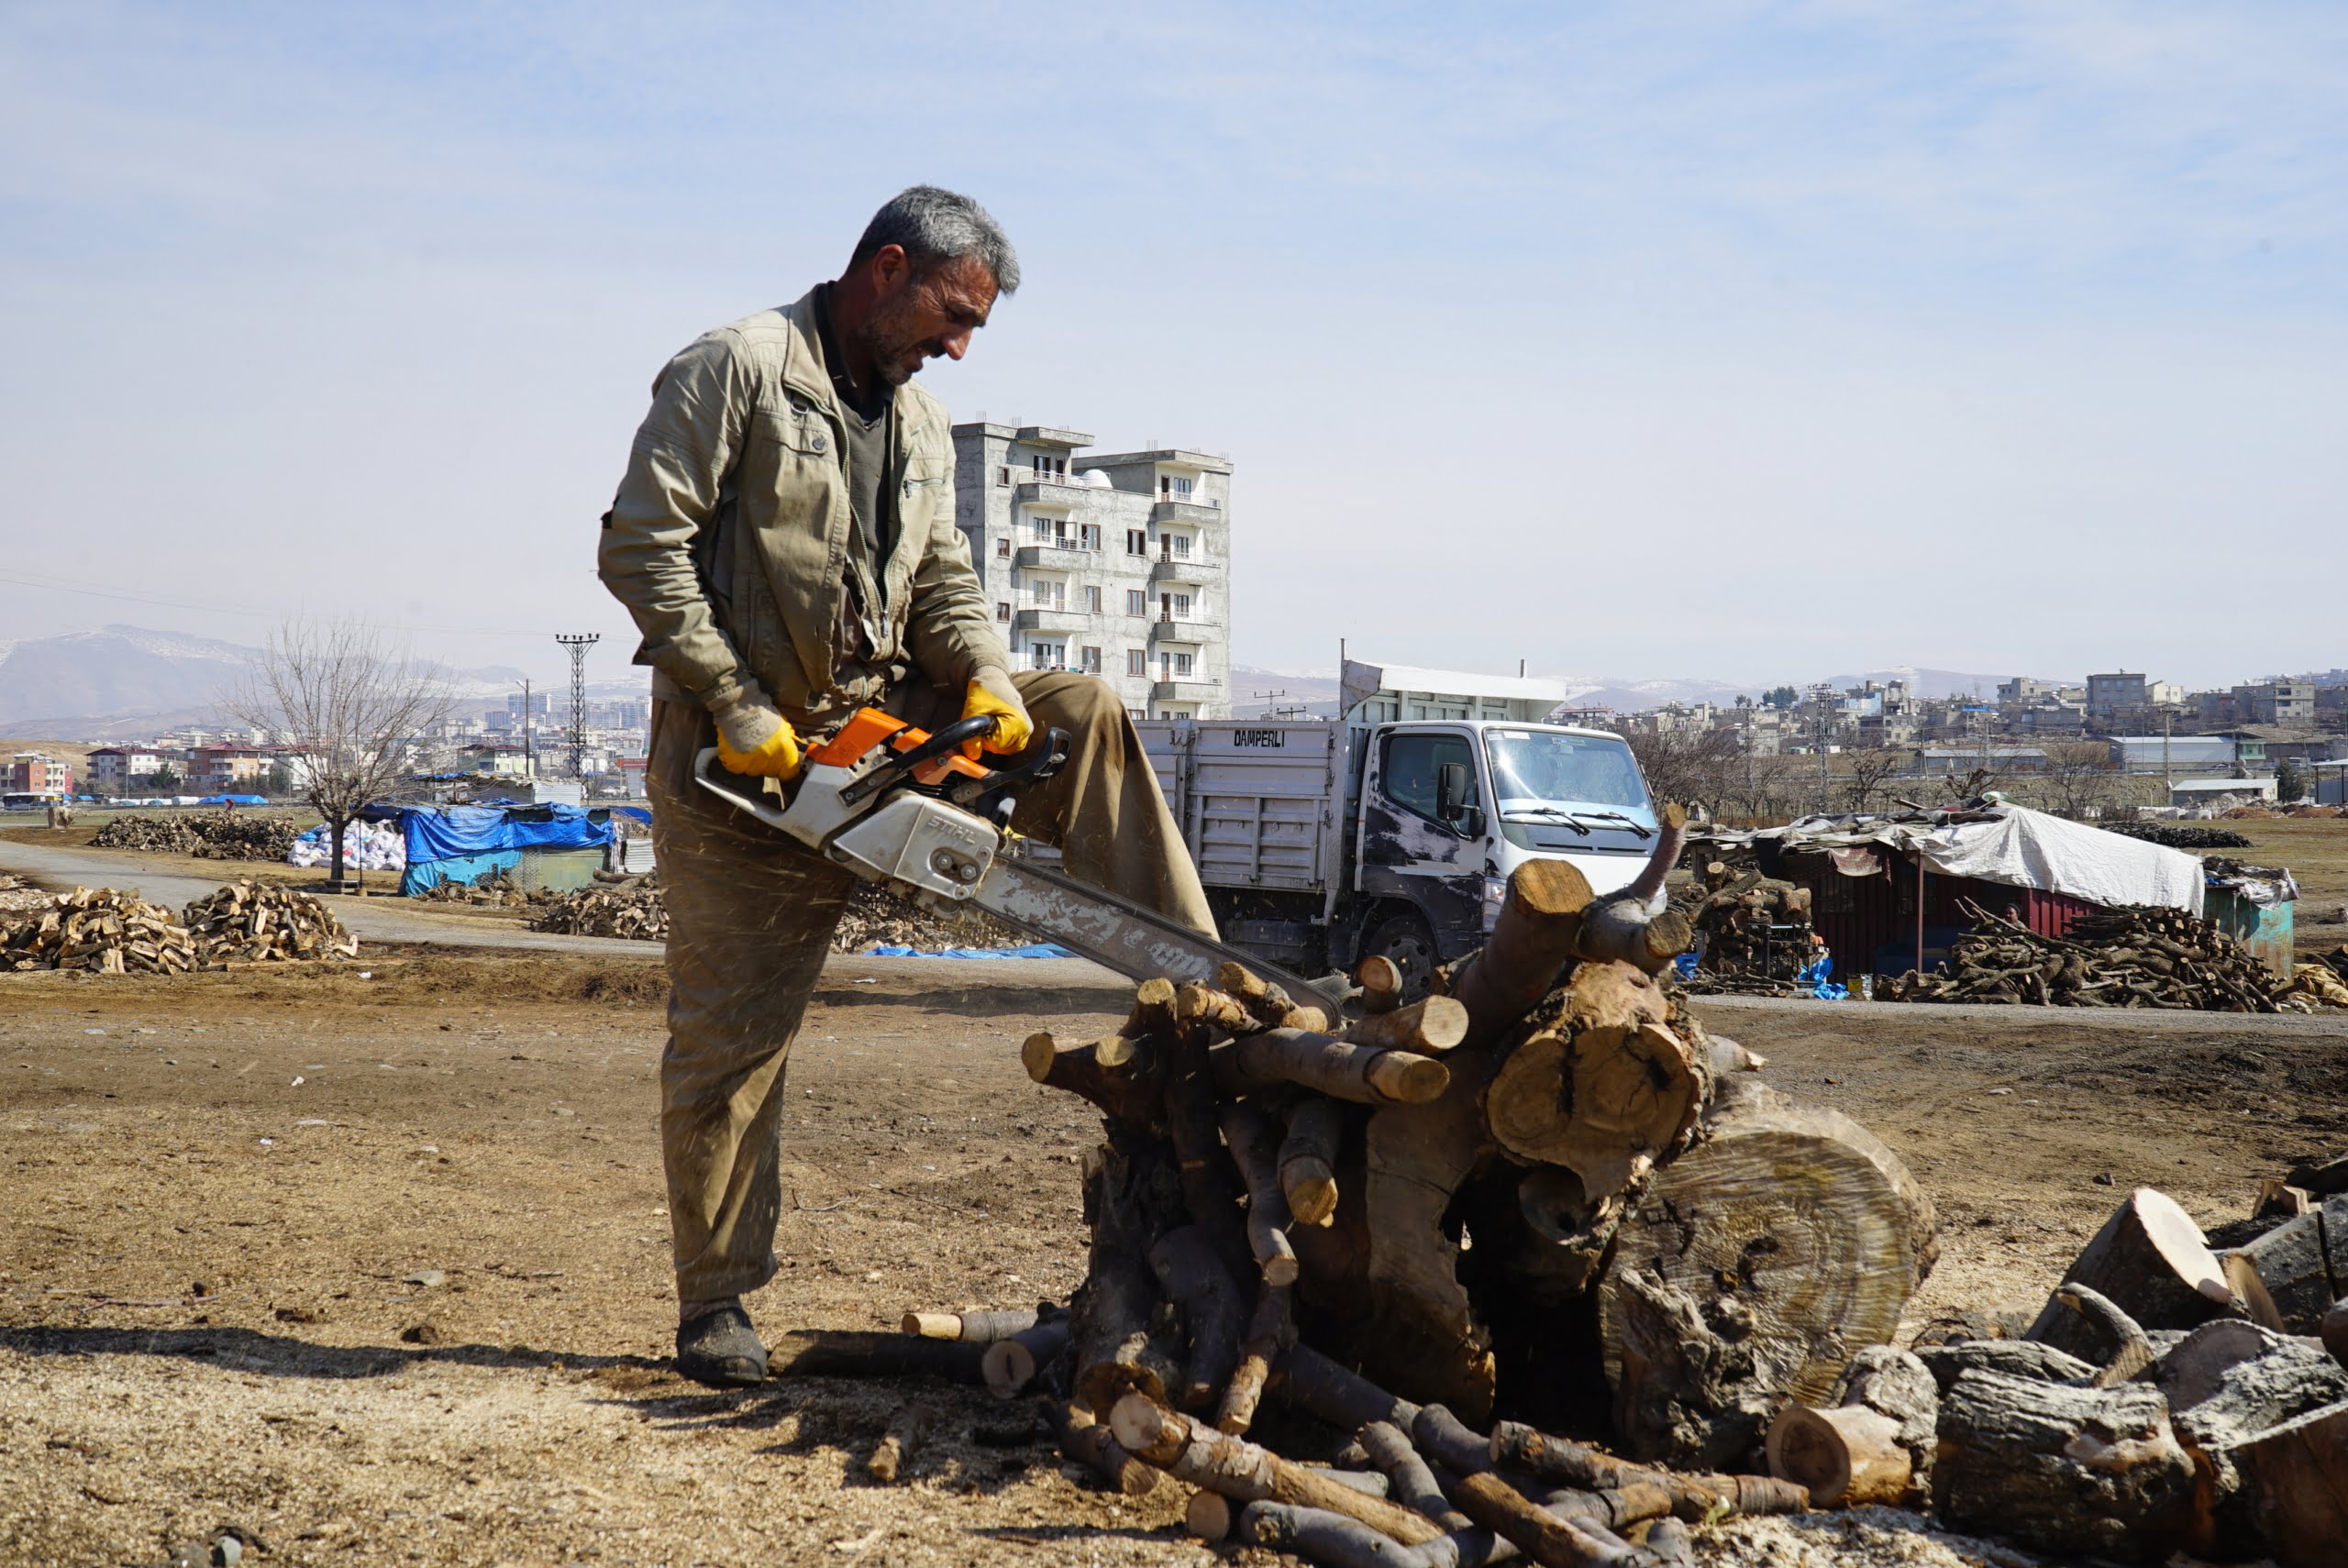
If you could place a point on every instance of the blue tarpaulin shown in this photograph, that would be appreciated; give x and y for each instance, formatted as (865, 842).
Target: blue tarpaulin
(234, 800)
(446, 830)
(422, 875)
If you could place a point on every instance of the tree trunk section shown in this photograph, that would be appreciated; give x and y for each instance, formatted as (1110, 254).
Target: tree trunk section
(1531, 940)
(1752, 1268)
(1847, 1456)
(2083, 1470)
(2151, 1261)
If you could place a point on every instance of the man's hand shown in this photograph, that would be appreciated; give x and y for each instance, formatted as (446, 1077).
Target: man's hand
(753, 738)
(992, 692)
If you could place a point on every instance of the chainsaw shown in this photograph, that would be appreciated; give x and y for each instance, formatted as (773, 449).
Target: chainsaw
(906, 809)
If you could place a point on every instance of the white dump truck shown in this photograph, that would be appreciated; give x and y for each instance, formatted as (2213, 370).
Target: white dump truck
(1392, 828)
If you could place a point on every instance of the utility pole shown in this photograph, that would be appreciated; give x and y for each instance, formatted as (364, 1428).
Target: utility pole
(578, 644)
(529, 754)
(1822, 696)
(2169, 774)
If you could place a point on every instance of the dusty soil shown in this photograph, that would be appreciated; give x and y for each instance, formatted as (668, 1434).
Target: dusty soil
(218, 1187)
(2315, 849)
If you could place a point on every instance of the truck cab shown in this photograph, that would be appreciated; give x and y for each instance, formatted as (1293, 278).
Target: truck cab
(1392, 827)
(1448, 809)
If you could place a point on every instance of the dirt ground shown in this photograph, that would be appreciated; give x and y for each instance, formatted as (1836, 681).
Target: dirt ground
(223, 1192)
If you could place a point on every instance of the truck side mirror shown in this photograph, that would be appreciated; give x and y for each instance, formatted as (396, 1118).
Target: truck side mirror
(1451, 792)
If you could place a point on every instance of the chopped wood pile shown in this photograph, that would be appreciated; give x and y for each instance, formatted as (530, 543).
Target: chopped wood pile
(257, 922)
(214, 836)
(1527, 1203)
(104, 930)
(496, 888)
(632, 910)
(17, 894)
(1753, 934)
(2175, 836)
(2129, 956)
(874, 917)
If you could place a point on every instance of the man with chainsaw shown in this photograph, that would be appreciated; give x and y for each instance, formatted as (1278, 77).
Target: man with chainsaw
(784, 538)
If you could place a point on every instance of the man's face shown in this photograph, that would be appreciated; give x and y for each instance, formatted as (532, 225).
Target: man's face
(920, 316)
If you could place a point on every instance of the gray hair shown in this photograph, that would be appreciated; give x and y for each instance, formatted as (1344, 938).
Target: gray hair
(932, 225)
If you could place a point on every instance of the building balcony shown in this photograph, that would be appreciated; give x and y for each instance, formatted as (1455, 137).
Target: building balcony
(1166, 511)
(1185, 690)
(1049, 618)
(1053, 489)
(1183, 568)
(1065, 554)
(1182, 629)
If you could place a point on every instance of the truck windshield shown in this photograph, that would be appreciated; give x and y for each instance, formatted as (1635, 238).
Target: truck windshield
(1536, 768)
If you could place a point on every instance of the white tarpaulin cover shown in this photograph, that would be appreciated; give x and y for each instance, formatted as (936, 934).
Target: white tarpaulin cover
(2031, 849)
(2020, 847)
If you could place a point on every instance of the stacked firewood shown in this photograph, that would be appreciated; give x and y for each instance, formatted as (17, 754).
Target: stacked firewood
(1540, 1192)
(104, 930)
(216, 835)
(2175, 836)
(633, 910)
(2130, 956)
(496, 888)
(1752, 935)
(257, 923)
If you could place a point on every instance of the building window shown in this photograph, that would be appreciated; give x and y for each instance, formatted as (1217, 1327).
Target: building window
(1137, 541)
(1171, 488)
(1088, 537)
(1041, 526)
(1092, 599)
(1136, 601)
(1182, 666)
(1050, 593)
(1174, 606)
(1091, 663)
(1048, 656)
(1180, 545)
(1003, 474)
(1003, 548)
(1001, 610)
(1136, 662)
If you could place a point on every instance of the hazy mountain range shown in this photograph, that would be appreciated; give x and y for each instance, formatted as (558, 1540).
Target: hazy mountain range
(124, 683)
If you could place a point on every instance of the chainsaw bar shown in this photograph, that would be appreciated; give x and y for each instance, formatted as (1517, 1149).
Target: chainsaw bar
(1114, 932)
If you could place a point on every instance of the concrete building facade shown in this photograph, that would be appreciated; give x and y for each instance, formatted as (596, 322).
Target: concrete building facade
(37, 773)
(1113, 564)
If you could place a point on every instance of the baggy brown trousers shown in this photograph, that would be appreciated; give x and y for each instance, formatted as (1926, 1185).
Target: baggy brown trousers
(751, 914)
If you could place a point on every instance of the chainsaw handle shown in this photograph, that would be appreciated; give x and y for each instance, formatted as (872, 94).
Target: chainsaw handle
(944, 742)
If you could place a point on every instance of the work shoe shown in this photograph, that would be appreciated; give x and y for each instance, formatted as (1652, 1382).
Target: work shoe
(720, 1349)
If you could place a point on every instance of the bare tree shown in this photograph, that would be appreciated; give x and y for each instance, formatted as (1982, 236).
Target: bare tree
(2076, 778)
(1865, 773)
(343, 702)
(1694, 766)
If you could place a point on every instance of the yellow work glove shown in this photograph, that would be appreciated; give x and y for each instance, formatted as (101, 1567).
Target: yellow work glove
(992, 692)
(753, 738)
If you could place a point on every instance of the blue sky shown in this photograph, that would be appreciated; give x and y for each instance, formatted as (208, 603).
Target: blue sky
(1749, 341)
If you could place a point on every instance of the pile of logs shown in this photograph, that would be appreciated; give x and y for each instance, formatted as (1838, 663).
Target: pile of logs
(2130, 955)
(2167, 1397)
(1752, 935)
(496, 888)
(1540, 1195)
(2176, 836)
(104, 930)
(633, 910)
(214, 835)
(257, 923)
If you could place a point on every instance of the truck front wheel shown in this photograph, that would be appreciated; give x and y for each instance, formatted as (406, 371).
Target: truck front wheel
(1406, 941)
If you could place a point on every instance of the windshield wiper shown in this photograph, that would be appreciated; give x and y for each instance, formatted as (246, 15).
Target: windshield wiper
(1636, 827)
(1552, 813)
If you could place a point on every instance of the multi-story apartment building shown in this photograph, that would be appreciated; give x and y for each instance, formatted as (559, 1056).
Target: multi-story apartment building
(1117, 565)
(117, 769)
(37, 773)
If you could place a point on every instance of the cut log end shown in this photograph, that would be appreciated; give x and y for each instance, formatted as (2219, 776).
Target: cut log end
(1847, 1457)
(1550, 887)
(1209, 1516)
(1404, 1078)
(1037, 1055)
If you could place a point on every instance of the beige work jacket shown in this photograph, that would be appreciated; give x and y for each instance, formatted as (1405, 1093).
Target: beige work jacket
(728, 539)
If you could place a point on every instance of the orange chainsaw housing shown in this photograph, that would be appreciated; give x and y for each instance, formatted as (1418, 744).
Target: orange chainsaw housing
(873, 728)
